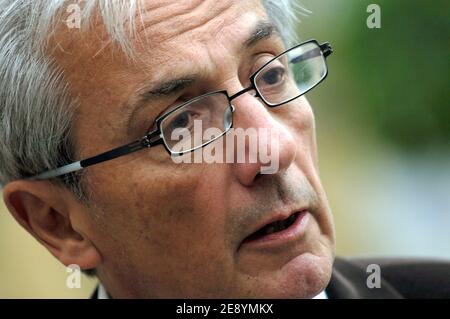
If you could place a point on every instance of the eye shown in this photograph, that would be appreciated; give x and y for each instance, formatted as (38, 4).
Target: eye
(273, 76)
(181, 120)
(272, 79)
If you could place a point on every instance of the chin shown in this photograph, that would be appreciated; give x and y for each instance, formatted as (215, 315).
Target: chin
(305, 276)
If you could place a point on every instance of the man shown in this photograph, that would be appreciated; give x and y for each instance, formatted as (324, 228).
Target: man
(97, 165)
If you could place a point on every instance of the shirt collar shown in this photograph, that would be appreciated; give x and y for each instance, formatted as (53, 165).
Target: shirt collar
(322, 295)
(101, 292)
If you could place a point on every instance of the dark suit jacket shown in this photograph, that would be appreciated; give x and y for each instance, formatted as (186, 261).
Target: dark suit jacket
(400, 278)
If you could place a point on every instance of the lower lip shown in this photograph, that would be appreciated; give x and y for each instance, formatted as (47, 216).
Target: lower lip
(286, 236)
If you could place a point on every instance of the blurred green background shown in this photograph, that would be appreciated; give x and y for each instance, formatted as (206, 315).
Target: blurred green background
(383, 125)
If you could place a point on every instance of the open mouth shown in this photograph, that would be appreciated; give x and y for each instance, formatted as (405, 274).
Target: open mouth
(274, 227)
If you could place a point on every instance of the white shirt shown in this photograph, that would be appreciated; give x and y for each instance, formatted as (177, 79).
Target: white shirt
(322, 295)
(101, 292)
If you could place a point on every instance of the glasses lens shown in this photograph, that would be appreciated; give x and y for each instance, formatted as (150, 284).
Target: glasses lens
(197, 123)
(291, 74)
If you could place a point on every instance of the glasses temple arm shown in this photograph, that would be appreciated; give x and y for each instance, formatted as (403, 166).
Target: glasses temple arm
(137, 145)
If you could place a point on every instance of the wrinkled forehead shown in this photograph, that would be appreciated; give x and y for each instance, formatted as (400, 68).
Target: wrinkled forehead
(202, 21)
(160, 28)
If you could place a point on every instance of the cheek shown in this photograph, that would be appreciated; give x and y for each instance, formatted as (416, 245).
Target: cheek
(298, 117)
(142, 193)
(301, 119)
(169, 207)
(171, 222)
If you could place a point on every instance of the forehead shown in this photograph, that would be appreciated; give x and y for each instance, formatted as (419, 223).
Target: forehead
(203, 21)
(161, 26)
(180, 31)
(164, 29)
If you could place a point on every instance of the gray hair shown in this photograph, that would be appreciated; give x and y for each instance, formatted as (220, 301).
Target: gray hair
(36, 108)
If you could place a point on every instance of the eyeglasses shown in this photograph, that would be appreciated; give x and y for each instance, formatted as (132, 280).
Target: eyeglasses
(281, 80)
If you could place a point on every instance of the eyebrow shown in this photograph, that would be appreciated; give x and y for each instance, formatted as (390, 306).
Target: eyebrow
(169, 87)
(263, 30)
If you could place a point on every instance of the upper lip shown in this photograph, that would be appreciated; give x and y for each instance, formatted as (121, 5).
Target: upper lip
(278, 216)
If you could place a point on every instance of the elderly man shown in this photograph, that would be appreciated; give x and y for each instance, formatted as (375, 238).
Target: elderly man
(98, 100)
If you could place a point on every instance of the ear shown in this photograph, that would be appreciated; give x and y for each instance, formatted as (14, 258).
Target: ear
(55, 218)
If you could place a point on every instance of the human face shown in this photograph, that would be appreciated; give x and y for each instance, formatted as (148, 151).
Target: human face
(182, 230)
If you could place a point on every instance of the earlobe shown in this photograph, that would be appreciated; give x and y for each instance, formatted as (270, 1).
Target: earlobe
(82, 253)
(46, 212)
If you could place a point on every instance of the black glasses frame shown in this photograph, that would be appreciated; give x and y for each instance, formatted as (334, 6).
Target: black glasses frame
(155, 137)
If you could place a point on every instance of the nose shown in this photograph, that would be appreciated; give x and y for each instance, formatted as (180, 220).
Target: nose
(263, 144)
